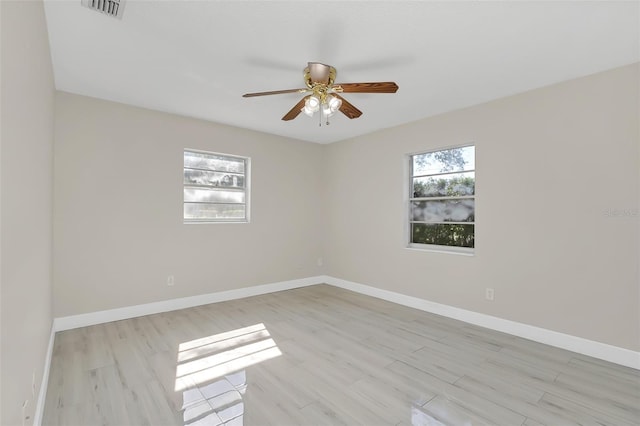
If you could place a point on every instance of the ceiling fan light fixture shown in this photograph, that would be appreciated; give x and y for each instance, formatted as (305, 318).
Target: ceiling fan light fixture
(326, 111)
(334, 103)
(311, 105)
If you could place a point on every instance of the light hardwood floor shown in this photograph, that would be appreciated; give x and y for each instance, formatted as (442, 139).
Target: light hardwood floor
(322, 355)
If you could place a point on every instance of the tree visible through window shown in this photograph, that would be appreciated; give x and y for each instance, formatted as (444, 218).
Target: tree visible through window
(215, 187)
(442, 199)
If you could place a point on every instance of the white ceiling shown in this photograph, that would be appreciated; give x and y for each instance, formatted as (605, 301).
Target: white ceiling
(197, 58)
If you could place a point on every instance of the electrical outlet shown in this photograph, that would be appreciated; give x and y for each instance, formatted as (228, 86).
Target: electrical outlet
(320, 261)
(170, 280)
(488, 294)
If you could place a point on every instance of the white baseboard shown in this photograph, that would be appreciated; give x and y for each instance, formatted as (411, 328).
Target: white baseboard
(99, 317)
(44, 384)
(580, 345)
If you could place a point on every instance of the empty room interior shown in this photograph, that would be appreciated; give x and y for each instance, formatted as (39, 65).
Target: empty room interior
(264, 213)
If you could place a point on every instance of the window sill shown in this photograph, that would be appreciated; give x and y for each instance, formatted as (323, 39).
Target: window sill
(204, 222)
(461, 251)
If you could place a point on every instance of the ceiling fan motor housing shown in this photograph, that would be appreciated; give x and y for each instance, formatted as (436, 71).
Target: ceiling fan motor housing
(317, 73)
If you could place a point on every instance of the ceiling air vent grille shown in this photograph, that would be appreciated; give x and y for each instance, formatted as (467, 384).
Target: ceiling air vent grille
(108, 7)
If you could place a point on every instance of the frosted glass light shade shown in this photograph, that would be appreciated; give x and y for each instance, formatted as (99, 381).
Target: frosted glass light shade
(334, 103)
(326, 111)
(312, 103)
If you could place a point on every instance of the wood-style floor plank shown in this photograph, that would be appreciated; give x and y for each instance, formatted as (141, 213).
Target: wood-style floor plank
(324, 356)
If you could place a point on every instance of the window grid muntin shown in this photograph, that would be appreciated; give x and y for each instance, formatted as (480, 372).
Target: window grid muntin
(246, 161)
(411, 222)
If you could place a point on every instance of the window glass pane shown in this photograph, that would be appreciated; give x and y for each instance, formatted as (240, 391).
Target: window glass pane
(215, 187)
(222, 163)
(214, 211)
(213, 195)
(456, 184)
(201, 177)
(448, 160)
(461, 210)
(443, 234)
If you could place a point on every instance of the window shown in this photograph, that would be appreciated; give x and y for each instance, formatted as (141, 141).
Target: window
(442, 199)
(215, 187)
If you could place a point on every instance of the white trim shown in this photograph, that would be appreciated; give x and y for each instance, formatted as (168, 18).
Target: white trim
(446, 148)
(93, 318)
(580, 345)
(464, 251)
(408, 197)
(246, 189)
(44, 384)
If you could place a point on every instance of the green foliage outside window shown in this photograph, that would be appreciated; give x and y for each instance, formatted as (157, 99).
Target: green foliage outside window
(442, 191)
(442, 187)
(443, 234)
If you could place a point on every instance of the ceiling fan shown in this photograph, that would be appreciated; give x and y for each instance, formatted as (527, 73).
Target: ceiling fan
(323, 95)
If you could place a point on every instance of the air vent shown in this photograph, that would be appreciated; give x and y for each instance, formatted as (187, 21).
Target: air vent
(108, 7)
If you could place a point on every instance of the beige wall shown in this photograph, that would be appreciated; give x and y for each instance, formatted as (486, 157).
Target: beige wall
(118, 226)
(551, 163)
(26, 199)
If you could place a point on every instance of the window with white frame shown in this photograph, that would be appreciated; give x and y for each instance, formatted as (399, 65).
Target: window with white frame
(215, 187)
(442, 199)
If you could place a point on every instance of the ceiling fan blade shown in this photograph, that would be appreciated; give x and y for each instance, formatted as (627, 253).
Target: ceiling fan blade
(274, 92)
(378, 87)
(293, 113)
(347, 108)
